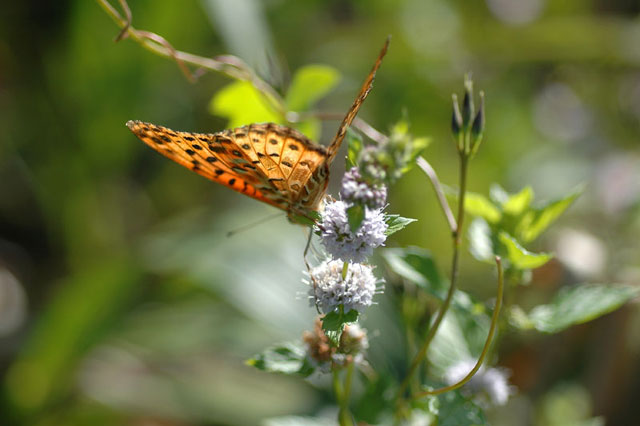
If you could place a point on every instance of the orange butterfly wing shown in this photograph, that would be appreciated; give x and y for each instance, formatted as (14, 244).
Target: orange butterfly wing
(214, 156)
(269, 162)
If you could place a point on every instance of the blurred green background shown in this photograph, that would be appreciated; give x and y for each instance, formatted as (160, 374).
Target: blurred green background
(123, 302)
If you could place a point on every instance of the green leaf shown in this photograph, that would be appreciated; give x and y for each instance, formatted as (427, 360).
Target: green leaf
(518, 203)
(333, 324)
(242, 104)
(538, 219)
(478, 205)
(309, 84)
(460, 337)
(286, 359)
(355, 214)
(310, 128)
(580, 304)
(354, 144)
(417, 145)
(457, 410)
(519, 318)
(416, 265)
(373, 404)
(481, 242)
(519, 257)
(396, 223)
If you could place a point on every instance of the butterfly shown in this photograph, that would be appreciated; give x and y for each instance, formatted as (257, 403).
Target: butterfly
(269, 162)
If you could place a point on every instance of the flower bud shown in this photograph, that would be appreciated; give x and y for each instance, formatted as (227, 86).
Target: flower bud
(456, 117)
(477, 129)
(467, 103)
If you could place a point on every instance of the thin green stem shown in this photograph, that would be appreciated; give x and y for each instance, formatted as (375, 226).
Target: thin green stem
(345, 270)
(487, 343)
(457, 238)
(342, 396)
(347, 384)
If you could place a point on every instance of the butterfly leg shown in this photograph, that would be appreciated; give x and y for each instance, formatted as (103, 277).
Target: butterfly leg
(306, 263)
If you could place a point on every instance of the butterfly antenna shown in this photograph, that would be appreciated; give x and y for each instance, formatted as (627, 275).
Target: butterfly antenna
(251, 225)
(353, 111)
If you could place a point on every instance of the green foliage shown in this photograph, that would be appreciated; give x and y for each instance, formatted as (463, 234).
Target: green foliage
(404, 148)
(242, 104)
(334, 322)
(396, 223)
(519, 257)
(460, 337)
(478, 205)
(449, 409)
(416, 265)
(354, 146)
(454, 409)
(355, 215)
(464, 328)
(505, 221)
(574, 305)
(538, 219)
(286, 359)
(389, 159)
(376, 400)
(310, 84)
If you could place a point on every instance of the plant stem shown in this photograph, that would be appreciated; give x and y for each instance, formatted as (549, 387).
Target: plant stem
(345, 270)
(342, 396)
(457, 238)
(487, 343)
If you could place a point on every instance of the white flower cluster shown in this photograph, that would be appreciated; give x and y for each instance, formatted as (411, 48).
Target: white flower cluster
(346, 280)
(489, 382)
(355, 291)
(341, 243)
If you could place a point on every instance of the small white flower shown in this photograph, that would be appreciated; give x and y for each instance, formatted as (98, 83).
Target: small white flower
(348, 246)
(491, 382)
(354, 292)
(357, 190)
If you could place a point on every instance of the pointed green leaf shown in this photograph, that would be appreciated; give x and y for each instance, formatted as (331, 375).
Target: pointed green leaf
(518, 203)
(286, 359)
(478, 205)
(519, 257)
(242, 104)
(539, 218)
(519, 318)
(309, 84)
(355, 214)
(580, 304)
(416, 265)
(396, 223)
(333, 324)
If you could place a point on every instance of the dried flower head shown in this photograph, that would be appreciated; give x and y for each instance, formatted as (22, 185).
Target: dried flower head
(353, 345)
